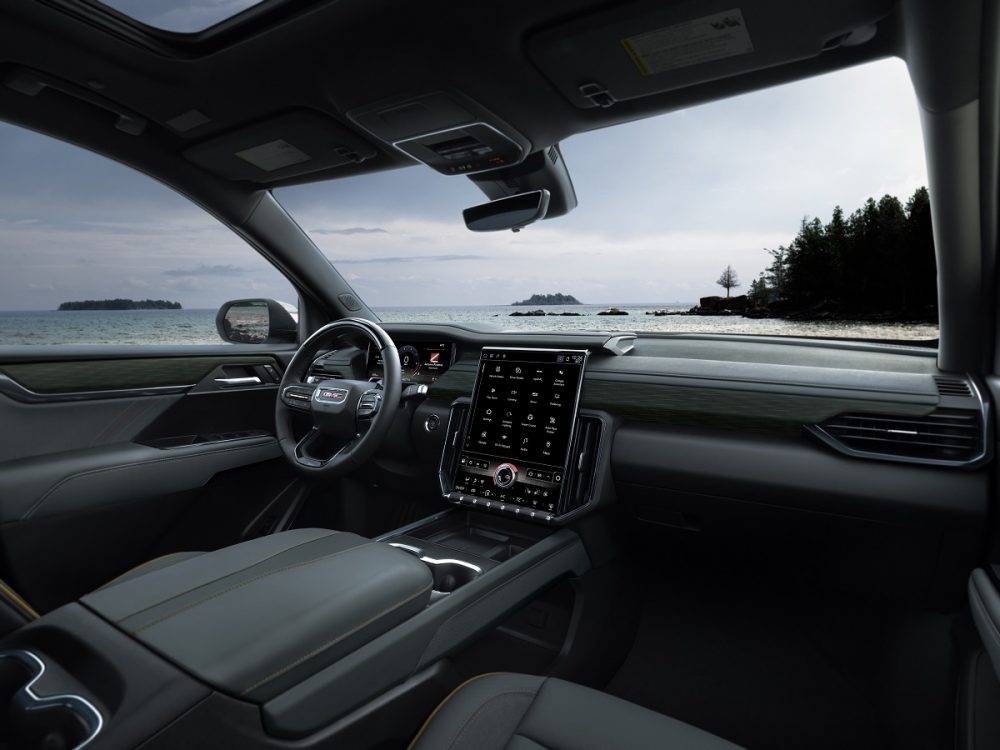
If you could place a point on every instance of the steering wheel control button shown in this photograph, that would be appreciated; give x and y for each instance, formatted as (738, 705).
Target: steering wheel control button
(331, 395)
(368, 404)
(505, 475)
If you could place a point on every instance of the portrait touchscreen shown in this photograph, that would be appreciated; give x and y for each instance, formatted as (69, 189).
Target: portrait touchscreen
(520, 432)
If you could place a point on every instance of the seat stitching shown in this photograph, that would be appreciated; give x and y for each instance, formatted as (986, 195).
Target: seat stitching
(336, 640)
(247, 582)
(444, 702)
(468, 723)
(14, 600)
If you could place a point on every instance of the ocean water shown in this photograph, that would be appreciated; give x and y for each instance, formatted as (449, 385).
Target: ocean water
(198, 326)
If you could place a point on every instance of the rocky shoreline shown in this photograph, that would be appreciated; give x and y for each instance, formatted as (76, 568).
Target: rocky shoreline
(742, 306)
(825, 311)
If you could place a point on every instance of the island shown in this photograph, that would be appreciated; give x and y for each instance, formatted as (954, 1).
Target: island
(121, 304)
(549, 299)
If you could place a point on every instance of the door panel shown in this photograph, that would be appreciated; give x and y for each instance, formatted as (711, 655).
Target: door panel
(107, 461)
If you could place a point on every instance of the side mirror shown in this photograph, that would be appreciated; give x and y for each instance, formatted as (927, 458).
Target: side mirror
(257, 321)
(508, 213)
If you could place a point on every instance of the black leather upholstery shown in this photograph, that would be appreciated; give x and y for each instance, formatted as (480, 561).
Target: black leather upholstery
(150, 565)
(522, 712)
(259, 617)
(15, 611)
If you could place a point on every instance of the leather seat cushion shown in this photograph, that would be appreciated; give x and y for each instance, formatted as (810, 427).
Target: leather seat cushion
(257, 618)
(524, 712)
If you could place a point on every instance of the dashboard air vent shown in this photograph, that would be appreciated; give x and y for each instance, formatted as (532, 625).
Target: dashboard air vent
(944, 437)
(952, 387)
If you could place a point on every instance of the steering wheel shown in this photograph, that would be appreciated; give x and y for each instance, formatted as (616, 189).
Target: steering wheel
(350, 418)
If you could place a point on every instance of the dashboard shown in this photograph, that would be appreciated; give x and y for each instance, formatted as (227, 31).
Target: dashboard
(420, 362)
(856, 452)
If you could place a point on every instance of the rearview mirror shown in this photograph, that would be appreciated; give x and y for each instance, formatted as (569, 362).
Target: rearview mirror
(508, 213)
(257, 321)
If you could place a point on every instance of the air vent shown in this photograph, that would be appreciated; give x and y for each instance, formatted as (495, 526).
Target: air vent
(953, 387)
(945, 437)
(584, 456)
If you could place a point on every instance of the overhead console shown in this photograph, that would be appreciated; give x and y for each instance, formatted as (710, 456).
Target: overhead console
(448, 132)
(522, 447)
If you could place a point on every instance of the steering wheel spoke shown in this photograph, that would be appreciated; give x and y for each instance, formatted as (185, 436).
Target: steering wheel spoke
(298, 395)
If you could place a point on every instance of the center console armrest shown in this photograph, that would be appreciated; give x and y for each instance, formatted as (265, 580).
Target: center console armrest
(256, 618)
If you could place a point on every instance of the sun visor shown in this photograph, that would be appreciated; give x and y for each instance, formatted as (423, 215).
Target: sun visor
(657, 47)
(289, 145)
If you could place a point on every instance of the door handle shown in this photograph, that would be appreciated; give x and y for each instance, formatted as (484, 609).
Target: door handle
(250, 380)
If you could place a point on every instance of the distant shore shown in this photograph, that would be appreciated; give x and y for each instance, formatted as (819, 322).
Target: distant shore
(548, 299)
(120, 304)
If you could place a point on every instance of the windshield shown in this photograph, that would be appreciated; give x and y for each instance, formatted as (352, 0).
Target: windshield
(797, 210)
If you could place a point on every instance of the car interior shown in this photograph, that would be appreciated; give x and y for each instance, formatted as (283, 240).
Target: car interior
(321, 535)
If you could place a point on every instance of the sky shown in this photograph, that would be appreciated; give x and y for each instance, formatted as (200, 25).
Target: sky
(665, 204)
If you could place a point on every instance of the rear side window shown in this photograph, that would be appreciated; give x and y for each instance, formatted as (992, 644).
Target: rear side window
(96, 253)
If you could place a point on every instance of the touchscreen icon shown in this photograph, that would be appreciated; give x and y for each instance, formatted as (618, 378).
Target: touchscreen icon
(517, 370)
(531, 417)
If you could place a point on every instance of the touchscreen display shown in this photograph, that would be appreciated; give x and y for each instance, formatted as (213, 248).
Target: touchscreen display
(525, 404)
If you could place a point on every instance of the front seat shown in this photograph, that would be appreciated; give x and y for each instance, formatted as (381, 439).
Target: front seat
(524, 712)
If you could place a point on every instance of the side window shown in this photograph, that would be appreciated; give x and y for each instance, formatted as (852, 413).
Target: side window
(93, 252)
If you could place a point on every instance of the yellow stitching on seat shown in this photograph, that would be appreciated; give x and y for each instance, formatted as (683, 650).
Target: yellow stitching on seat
(440, 705)
(248, 582)
(17, 602)
(336, 640)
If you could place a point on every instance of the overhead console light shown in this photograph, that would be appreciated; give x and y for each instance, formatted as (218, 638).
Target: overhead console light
(613, 56)
(466, 150)
(448, 132)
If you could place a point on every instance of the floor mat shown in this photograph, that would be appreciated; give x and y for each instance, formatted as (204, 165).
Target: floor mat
(766, 668)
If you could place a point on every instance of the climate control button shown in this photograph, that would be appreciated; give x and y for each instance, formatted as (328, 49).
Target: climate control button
(505, 475)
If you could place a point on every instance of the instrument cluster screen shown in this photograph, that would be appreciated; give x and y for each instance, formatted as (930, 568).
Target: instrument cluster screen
(525, 404)
(420, 362)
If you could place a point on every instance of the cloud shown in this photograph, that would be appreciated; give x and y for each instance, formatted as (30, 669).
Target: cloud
(410, 259)
(350, 230)
(203, 270)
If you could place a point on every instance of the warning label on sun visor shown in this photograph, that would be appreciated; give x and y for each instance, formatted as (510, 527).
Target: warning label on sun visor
(701, 40)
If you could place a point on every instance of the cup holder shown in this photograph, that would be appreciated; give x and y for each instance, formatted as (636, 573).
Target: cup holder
(449, 574)
(59, 722)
